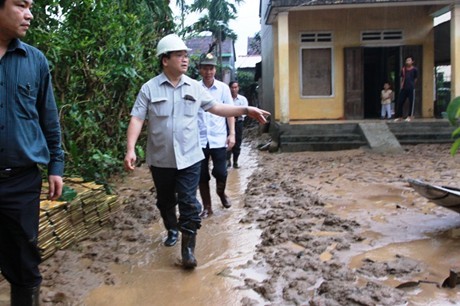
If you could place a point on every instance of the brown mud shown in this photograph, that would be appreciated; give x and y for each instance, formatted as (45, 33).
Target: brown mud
(308, 228)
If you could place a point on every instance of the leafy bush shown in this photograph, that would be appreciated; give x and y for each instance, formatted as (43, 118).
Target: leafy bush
(248, 87)
(100, 53)
(453, 114)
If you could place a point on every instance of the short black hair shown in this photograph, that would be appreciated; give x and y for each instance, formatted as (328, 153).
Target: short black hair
(167, 55)
(232, 82)
(2, 3)
(409, 56)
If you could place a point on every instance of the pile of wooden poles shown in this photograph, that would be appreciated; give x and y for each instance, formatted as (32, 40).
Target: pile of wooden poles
(65, 222)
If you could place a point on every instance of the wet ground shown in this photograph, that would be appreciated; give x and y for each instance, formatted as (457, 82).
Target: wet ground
(224, 246)
(355, 208)
(308, 228)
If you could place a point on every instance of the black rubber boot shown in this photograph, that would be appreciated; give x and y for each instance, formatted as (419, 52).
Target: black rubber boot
(229, 156)
(170, 221)
(25, 296)
(235, 161)
(188, 249)
(171, 240)
(220, 189)
(206, 198)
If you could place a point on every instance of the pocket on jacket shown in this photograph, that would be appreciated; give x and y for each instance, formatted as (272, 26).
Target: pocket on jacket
(160, 107)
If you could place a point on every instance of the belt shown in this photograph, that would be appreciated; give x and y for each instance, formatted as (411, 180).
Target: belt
(10, 172)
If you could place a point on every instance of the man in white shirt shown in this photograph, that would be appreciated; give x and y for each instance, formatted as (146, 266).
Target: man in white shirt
(215, 139)
(238, 100)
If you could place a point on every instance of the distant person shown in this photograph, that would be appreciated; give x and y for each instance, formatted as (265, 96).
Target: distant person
(30, 136)
(238, 100)
(386, 97)
(409, 75)
(217, 135)
(171, 102)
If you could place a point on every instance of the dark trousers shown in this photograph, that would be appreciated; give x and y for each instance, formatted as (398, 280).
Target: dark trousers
(178, 187)
(19, 218)
(403, 95)
(219, 161)
(236, 150)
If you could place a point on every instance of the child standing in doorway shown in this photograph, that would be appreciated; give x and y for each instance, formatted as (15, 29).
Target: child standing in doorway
(386, 98)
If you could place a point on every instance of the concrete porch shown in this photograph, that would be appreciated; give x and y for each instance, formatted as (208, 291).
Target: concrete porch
(378, 135)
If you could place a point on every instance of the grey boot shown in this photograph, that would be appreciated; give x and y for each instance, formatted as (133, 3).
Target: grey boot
(220, 189)
(188, 250)
(25, 296)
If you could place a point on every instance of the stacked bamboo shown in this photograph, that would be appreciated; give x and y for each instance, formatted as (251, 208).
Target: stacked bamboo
(65, 222)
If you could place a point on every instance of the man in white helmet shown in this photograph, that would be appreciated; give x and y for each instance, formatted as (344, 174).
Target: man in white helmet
(170, 102)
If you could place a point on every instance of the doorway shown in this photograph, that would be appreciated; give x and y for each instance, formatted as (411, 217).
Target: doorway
(381, 64)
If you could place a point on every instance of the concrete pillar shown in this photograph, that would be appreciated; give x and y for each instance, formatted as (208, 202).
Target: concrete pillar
(283, 64)
(455, 50)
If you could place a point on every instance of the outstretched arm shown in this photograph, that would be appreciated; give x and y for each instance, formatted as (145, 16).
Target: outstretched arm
(224, 110)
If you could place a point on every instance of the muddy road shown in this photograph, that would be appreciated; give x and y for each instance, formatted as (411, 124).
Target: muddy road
(308, 228)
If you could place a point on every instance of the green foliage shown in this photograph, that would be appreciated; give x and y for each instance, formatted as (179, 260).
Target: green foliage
(453, 114)
(216, 15)
(247, 86)
(194, 66)
(68, 194)
(100, 52)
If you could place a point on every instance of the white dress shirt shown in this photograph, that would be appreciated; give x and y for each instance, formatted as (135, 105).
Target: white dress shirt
(213, 129)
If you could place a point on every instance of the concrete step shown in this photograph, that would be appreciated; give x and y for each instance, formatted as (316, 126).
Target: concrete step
(380, 135)
(322, 138)
(321, 146)
(422, 132)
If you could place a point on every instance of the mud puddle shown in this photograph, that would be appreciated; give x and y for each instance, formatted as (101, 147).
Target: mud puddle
(407, 240)
(352, 223)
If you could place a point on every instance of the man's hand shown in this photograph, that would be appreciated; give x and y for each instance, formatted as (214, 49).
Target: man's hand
(55, 187)
(130, 161)
(230, 141)
(258, 114)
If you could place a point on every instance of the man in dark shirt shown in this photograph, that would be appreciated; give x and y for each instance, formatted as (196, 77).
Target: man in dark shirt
(409, 75)
(30, 135)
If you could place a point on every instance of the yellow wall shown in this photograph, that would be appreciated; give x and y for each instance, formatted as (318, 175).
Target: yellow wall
(346, 26)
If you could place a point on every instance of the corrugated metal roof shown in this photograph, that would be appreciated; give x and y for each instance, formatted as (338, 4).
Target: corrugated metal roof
(247, 61)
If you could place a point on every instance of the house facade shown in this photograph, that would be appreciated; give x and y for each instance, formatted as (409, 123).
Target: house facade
(324, 59)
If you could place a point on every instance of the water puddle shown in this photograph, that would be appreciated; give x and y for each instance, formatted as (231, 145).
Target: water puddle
(223, 248)
(428, 236)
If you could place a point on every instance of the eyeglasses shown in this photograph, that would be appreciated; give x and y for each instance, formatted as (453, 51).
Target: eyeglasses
(183, 55)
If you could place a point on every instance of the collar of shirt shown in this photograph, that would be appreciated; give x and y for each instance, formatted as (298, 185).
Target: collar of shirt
(213, 86)
(17, 45)
(162, 78)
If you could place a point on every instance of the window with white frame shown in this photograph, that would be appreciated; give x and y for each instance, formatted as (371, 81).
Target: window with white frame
(384, 35)
(316, 64)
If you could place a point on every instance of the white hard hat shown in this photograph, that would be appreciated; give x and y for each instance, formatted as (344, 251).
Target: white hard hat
(169, 43)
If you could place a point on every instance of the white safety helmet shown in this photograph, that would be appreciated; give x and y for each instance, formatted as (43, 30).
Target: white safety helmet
(169, 43)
